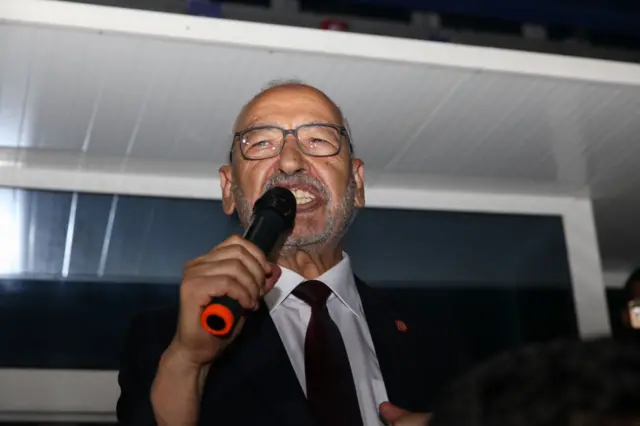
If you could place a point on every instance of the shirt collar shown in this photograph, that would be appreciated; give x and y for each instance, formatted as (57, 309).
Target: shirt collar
(339, 279)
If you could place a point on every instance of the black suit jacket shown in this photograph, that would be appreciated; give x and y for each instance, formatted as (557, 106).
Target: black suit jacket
(253, 383)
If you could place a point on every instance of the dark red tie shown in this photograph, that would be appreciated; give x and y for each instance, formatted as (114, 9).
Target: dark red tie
(331, 391)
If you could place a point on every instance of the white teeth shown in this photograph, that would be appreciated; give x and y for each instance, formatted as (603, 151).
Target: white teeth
(302, 197)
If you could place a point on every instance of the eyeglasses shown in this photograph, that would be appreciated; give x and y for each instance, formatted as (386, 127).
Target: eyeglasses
(315, 140)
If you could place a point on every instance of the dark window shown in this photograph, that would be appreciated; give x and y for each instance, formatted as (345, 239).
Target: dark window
(480, 24)
(360, 10)
(613, 40)
(495, 280)
(264, 3)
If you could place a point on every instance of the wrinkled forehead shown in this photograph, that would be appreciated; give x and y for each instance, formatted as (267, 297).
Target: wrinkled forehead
(289, 105)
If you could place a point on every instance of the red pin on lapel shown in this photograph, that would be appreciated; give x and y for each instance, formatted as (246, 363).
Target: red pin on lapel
(402, 327)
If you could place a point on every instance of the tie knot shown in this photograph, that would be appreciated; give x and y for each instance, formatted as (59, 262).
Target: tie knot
(314, 293)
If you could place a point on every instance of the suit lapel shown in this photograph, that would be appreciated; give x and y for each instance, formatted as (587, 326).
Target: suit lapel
(394, 339)
(258, 365)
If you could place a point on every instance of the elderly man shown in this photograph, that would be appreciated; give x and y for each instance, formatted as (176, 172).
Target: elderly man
(317, 346)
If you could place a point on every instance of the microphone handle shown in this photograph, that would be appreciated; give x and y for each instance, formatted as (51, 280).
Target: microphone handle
(221, 315)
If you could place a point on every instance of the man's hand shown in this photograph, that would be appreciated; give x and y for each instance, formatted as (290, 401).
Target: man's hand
(396, 416)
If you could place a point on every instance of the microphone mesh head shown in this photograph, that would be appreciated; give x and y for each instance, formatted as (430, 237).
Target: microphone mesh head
(280, 200)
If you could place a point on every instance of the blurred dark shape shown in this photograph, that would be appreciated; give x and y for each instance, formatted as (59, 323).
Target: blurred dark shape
(629, 311)
(619, 17)
(386, 12)
(553, 384)
(207, 8)
(334, 25)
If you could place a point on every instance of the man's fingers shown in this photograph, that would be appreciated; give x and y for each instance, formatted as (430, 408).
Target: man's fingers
(396, 416)
(391, 413)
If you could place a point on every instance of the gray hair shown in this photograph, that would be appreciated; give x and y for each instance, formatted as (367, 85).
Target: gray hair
(272, 84)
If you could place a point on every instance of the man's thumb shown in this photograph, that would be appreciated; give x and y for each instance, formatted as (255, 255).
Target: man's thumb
(391, 413)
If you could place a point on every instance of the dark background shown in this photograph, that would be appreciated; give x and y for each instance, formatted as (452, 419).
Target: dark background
(494, 280)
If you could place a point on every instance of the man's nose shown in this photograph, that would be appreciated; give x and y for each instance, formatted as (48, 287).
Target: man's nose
(292, 160)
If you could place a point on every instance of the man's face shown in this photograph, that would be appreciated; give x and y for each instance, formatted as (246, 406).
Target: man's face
(327, 189)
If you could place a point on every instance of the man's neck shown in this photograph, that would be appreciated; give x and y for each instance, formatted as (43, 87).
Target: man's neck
(311, 265)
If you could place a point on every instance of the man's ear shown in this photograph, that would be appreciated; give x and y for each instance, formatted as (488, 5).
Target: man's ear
(226, 183)
(358, 173)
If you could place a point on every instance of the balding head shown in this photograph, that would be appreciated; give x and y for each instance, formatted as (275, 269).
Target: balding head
(291, 86)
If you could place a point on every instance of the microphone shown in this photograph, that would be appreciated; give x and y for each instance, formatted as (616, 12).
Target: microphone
(273, 216)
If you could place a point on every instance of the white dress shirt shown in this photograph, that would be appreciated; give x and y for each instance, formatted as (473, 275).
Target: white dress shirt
(291, 317)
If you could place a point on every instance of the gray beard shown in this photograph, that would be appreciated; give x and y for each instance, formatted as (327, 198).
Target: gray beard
(337, 220)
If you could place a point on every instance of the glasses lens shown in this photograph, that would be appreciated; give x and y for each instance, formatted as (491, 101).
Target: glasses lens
(261, 143)
(319, 140)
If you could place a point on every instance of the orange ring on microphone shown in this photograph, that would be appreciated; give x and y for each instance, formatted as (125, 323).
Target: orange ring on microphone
(221, 312)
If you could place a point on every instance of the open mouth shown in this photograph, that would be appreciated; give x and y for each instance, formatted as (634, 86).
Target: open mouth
(308, 198)
(303, 197)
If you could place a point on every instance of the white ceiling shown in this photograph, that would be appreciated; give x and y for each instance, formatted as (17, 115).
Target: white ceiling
(544, 122)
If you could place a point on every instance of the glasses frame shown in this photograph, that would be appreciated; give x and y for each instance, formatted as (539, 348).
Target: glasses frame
(342, 130)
